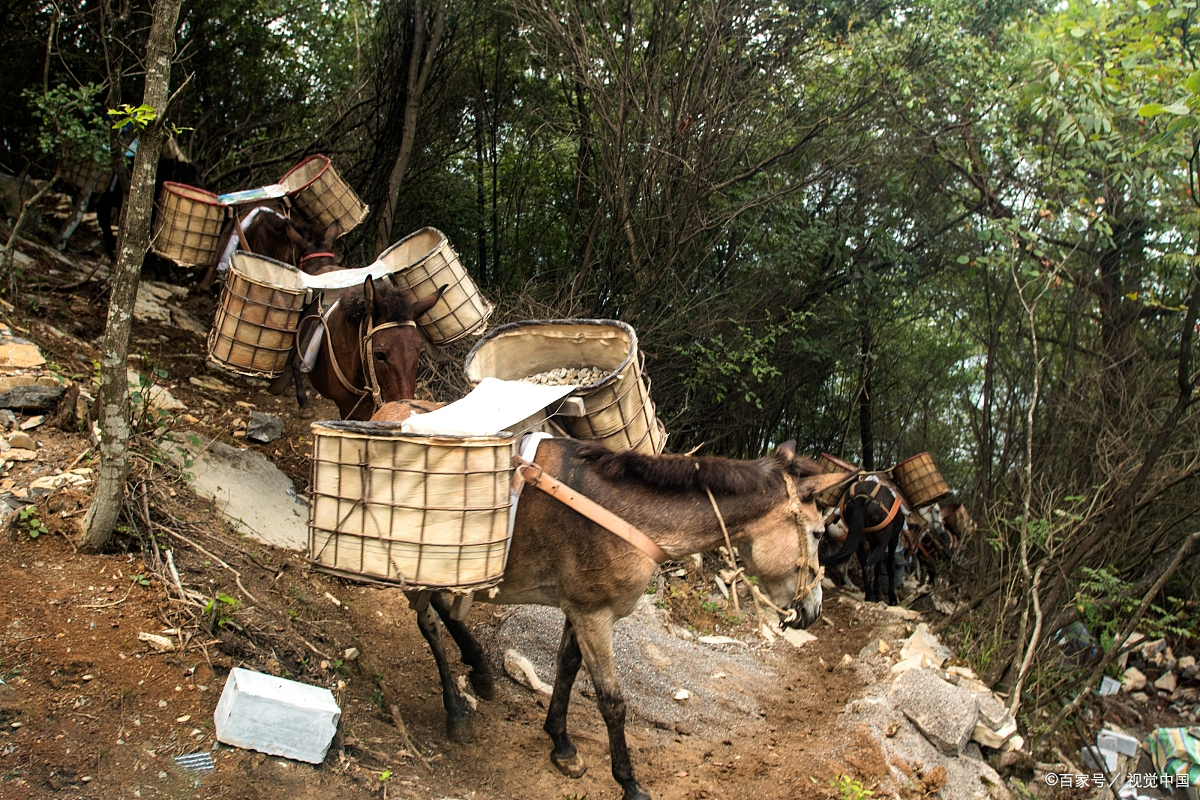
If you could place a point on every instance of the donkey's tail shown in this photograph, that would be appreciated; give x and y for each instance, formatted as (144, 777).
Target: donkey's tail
(855, 519)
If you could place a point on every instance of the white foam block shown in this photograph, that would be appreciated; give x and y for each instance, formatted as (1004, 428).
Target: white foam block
(276, 716)
(1121, 743)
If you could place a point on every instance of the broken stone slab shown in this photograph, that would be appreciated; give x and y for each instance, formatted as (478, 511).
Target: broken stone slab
(51, 483)
(246, 488)
(32, 397)
(276, 716)
(185, 321)
(20, 354)
(1133, 680)
(20, 454)
(715, 640)
(22, 440)
(521, 670)
(210, 383)
(796, 637)
(994, 739)
(264, 428)
(945, 714)
(992, 712)
(922, 641)
(919, 661)
(1166, 682)
(160, 643)
(903, 613)
(158, 397)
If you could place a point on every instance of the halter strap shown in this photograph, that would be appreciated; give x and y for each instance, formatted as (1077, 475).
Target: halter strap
(365, 331)
(317, 255)
(810, 558)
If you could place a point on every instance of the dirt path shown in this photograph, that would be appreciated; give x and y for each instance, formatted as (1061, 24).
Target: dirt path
(89, 710)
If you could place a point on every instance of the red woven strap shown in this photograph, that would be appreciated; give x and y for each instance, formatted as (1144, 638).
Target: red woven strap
(535, 475)
(316, 255)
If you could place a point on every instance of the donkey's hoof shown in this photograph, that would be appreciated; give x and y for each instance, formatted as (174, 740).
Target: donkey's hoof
(635, 792)
(459, 730)
(572, 767)
(306, 412)
(483, 683)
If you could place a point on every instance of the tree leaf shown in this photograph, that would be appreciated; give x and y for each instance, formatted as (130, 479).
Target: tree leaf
(1151, 110)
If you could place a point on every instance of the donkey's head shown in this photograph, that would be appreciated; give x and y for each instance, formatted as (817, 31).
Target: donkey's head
(781, 546)
(394, 343)
(315, 248)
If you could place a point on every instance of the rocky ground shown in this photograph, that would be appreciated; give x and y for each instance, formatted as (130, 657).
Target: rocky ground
(112, 665)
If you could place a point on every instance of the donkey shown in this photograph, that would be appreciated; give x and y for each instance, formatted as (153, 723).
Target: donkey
(377, 320)
(559, 558)
(873, 516)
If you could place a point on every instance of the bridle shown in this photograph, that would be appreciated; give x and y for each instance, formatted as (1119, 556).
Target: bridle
(366, 330)
(809, 557)
(317, 255)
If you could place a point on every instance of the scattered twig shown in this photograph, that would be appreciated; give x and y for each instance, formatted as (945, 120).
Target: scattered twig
(110, 605)
(237, 575)
(78, 458)
(315, 650)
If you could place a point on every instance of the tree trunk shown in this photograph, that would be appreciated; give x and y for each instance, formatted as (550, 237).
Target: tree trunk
(419, 66)
(133, 241)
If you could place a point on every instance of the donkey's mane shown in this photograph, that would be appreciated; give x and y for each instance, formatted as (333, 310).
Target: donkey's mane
(397, 304)
(679, 473)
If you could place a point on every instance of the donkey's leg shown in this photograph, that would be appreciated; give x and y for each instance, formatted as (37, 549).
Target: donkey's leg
(891, 565)
(593, 632)
(458, 727)
(867, 575)
(480, 676)
(564, 756)
(306, 411)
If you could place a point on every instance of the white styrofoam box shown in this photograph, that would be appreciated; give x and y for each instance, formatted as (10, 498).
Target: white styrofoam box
(276, 716)
(1121, 743)
(1093, 757)
(1108, 687)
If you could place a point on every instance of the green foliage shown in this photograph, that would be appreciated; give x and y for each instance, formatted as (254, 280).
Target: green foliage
(28, 519)
(140, 579)
(70, 125)
(220, 610)
(848, 788)
(1105, 602)
(383, 776)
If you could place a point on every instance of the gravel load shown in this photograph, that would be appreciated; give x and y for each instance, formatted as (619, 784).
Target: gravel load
(568, 376)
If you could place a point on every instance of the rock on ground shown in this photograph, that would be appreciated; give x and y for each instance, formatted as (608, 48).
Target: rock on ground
(247, 489)
(945, 713)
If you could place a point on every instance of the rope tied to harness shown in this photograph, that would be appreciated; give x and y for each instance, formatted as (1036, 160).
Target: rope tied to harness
(804, 588)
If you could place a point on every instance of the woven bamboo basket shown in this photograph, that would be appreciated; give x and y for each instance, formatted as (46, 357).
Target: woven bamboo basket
(956, 517)
(828, 462)
(188, 229)
(321, 196)
(82, 174)
(919, 479)
(423, 512)
(255, 326)
(424, 261)
(618, 411)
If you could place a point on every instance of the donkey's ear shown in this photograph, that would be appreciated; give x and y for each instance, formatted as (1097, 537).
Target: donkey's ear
(423, 304)
(369, 296)
(295, 237)
(331, 235)
(787, 450)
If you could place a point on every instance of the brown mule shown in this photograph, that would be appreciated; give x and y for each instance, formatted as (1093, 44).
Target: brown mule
(559, 558)
(377, 321)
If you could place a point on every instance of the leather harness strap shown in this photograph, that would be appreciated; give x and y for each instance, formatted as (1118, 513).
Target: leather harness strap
(365, 331)
(891, 512)
(527, 472)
